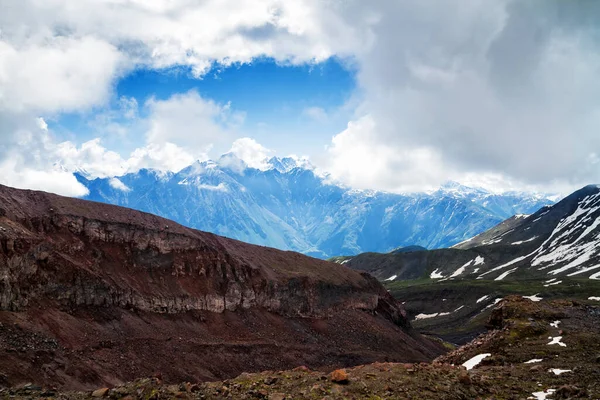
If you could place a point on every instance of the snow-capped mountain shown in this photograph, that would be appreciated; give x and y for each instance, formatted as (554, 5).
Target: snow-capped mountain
(290, 205)
(556, 242)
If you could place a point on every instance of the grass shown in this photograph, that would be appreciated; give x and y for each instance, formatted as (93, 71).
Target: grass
(425, 295)
(578, 288)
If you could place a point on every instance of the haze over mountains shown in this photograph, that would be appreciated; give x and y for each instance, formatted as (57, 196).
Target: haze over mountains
(290, 205)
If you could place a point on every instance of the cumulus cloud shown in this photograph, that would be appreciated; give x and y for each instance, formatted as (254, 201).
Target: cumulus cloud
(56, 74)
(165, 157)
(360, 159)
(251, 152)
(505, 90)
(91, 157)
(190, 120)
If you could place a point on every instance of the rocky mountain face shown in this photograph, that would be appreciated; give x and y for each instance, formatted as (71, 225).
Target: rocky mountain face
(553, 253)
(533, 350)
(290, 206)
(557, 241)
(95, 294)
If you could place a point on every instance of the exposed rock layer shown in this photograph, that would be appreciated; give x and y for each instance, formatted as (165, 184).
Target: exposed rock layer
(81, 274)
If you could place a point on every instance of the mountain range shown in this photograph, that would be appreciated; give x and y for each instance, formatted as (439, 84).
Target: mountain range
(290, 205)
(557, 241)
(552, 254)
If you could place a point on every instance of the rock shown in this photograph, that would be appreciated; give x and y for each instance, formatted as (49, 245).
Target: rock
(464, 379)
(536, 368)
(277, 396)
(100, 392)
(339, 376)
(302, 368)
(569, 391)
(270, 380)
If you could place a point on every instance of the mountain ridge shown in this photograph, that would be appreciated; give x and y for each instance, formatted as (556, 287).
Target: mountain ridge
(290, 205)
(96, 294)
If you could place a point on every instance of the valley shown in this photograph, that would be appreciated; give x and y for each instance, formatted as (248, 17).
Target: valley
(99, 300)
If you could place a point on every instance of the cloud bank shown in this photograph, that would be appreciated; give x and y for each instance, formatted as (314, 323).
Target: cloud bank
(502, 93)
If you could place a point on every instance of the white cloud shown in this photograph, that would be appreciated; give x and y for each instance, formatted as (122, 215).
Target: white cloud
(251, 152)
(42, 124)
(56, 74)
(358, 158)
(91, 157)
(116, 183)
(24, 163)
(165, 157)
(316, 113)
(221, 187)
(505, 90)
(190, 121)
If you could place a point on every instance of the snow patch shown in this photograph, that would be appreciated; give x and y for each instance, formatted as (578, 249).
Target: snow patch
(558, 371)
(391, 278)
(524, 241)
(479, 300)
(594, 298)
(505, 274)
(473, 362)
(553, 283)
(557, 340)
(533, 360)
(533, 297)
(436, 275)
(554, 324)
(542, 395)
(427, 316)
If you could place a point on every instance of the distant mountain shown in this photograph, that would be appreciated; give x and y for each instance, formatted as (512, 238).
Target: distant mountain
(290, 205)
(562, 240)
(551, 254)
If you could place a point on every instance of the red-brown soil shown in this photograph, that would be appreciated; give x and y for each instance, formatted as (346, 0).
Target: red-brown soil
(93, 294)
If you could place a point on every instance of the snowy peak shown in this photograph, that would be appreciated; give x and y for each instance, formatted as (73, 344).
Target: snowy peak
(289, 205)
(287, 164)
(456, 189)
(563, 239)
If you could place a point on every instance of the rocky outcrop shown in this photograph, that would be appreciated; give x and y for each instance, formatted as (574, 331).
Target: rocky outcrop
(63, 257)
(83, 253)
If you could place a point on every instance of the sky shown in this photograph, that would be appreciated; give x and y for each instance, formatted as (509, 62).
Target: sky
(391, 95)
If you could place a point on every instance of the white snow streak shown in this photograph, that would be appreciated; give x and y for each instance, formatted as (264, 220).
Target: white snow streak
(479, 300)
(524, 241)
(470, 364)
(505, 274)
(557, 340)
(534, 297)
(436, 275)
(558, 371)
(542, 395)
